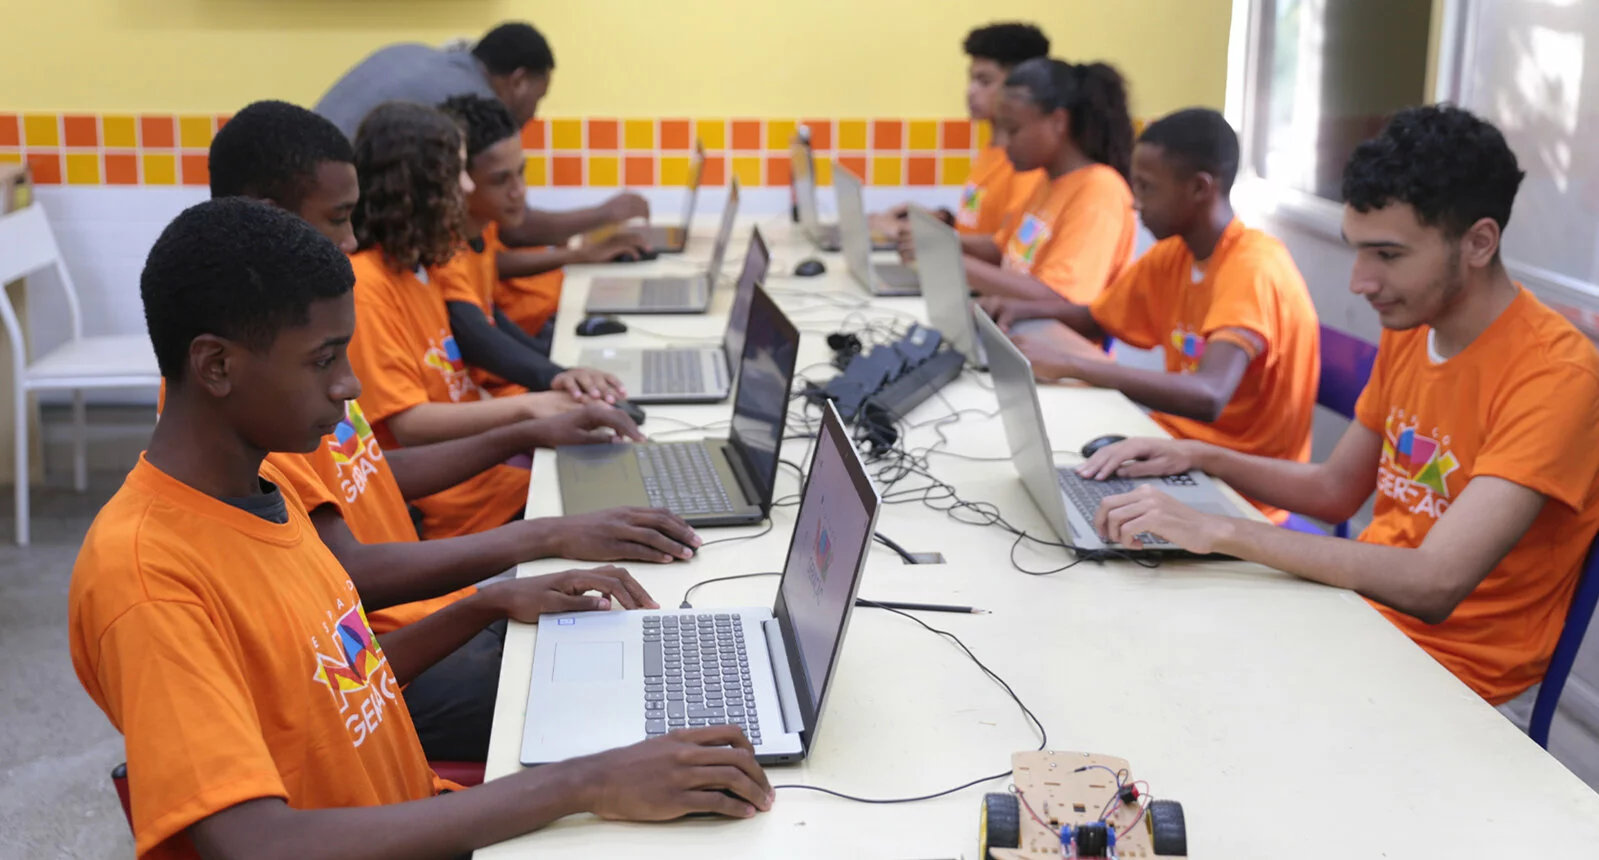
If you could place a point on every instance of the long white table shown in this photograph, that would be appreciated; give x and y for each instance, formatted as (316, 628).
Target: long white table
(1290, 719)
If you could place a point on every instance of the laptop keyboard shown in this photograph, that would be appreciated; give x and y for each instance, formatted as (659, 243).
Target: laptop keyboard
(665, 293)
(1086, 495)
(697, 673)
(674, 371)
(680, 477)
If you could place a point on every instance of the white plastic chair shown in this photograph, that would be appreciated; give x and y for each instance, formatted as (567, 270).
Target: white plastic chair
(28, 247)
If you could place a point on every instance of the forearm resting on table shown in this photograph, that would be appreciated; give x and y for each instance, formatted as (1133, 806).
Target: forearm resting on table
(423, 470)
(983, 248)
(413, 648)
(390, 574)
(1201, 395)
(991, 280)
(523, 263)
(438, 422)
(1332, 491)
(541, 227)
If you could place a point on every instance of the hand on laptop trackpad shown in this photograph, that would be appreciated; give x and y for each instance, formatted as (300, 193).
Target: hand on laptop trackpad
(587, 662)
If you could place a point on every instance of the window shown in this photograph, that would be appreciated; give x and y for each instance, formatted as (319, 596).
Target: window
(1325, 75)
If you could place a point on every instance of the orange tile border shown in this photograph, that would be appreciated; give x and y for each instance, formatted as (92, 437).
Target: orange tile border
(196, 171)
(533, 135)
(921, 171)
(80, 130)
(675, 135)
(888, 134)
(567, 171)
(746, 135)
(821, 134)
(121, 168)
(158, 132)
(957, 133)
(10, 130)
(602, 134)
(638, 171)
(46, 168)
(777, 171)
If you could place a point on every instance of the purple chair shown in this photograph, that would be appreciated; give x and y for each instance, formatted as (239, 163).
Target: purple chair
(1554, 678)
(1346, 363)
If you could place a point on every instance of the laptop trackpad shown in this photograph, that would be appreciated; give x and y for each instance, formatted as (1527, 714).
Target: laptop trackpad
(587, 662)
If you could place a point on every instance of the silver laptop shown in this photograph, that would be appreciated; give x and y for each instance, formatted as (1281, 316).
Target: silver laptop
(942, 267)
(824, 236)
(606, 679)
(673, 239)
(879, 279)
(688, 374)
(1067, 500)
(708, 482)
(667, 294)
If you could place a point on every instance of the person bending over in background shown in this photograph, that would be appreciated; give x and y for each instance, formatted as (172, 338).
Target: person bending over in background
(513, 63)
(1076, 232)
(1225, 303)
(357, 493)
(261, 714)
(1479, 429)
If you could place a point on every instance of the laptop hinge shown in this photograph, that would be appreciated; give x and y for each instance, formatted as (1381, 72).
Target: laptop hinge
(787, 696)
(742, 473)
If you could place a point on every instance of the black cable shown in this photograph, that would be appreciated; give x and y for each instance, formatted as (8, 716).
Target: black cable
(761, 533)
(898, 550)
(695, 587)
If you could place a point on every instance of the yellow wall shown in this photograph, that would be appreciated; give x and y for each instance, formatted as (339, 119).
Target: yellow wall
(613, 57)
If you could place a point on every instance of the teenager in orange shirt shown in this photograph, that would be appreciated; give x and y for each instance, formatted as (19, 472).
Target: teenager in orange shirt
(357, 493)
(261, 714)
(1479, 430)
(1076, 232)
(1225, 302)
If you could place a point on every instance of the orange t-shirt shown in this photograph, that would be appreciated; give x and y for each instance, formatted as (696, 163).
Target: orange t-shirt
(1520, 403)
(350, 472)
(233, 655)
(1251, 284)
(994, 190)
(404, 355)
(1075, 234)
(470, 276)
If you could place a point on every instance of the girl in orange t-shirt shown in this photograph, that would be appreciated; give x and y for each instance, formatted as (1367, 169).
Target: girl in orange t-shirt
(1076, 232)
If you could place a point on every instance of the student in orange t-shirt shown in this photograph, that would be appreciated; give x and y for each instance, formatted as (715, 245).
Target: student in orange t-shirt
(1225, 303)
(260, 712)
(1076, 231)
(1479, 429)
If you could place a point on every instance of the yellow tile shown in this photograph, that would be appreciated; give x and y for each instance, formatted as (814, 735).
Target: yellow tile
(639, 133)
(83, 168)
(119, 131)
(160, 169)
(566, 133)
(536, 170)
(923, 134)
(824, 171)
(985, 133)
(10, 158)
(605, 171)
(851, 134)
(674, 171)
(779, 133)
(711, 132)
(888, 170)
(953, 169)
(41, 129)
(748, 170)
(194, 132)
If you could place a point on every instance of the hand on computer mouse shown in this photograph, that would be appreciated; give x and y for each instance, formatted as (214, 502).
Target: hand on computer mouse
(600, 325)
(621, 248)
(681, 773)
(1138, 458)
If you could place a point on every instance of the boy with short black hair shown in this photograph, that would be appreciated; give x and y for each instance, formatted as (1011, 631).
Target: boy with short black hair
(1479, 429)
(228, 646)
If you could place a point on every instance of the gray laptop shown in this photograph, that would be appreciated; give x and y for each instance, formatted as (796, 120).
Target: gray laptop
(667, 294)
(942, 267)
(688, 374)
(606, 679)
(708, 482)
(824, 236)
(879, 279)
(1067, 500)
(673, 239)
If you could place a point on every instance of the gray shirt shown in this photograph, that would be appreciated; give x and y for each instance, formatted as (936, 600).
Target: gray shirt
(407, 72)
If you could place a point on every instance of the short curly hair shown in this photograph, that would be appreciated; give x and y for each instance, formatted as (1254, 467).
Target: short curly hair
(235, 268)
(484, 121)
(1450, 166)
(271, 150)
(1200, 140)
(408, 158)
(1009, 44)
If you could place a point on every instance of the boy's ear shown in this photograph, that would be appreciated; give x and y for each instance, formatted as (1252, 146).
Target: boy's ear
(210, 366)
(1204, 186)
(1480, 244)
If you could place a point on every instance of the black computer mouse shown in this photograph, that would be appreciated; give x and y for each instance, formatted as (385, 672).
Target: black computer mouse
(636, 256)
(597, 325)
(809, 268)
(1093, 445)
(633, 410)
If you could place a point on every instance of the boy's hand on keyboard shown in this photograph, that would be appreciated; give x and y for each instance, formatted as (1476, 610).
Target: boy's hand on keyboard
(588, 383)
(592, 424)
(626, 534)
(1057, 352)
(1006, 311)
(1139, 458)
(1121, 519)
(526, 599)
(709, 769)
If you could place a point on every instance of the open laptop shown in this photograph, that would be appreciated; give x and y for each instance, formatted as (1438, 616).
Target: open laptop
(667, 294)
(688, 374)
(606, 679)
(942, 267)
(879, 279)
(824, 236)
(673, 239)
(708, 482)
(1067, 500)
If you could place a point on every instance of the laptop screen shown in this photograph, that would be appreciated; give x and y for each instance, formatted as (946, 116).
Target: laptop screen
(696, 168)
(760, 403)
(799, 166)
(828, 551)
(724, 234)
(853, 232)
(938, 257)
(756, 259)
(1019, 409)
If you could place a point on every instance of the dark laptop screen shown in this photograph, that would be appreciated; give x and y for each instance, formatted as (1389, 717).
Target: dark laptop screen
(760, 405)
(756, 259)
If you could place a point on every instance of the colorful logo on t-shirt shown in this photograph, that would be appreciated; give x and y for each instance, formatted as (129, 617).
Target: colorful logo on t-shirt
(354, 451)
(445, 357)
(356, 673)
(1415, 468)
(1188, 347)
(1031, 236)
(971, 205)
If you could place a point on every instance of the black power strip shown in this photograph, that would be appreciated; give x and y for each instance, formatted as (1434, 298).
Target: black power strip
(893, 378)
